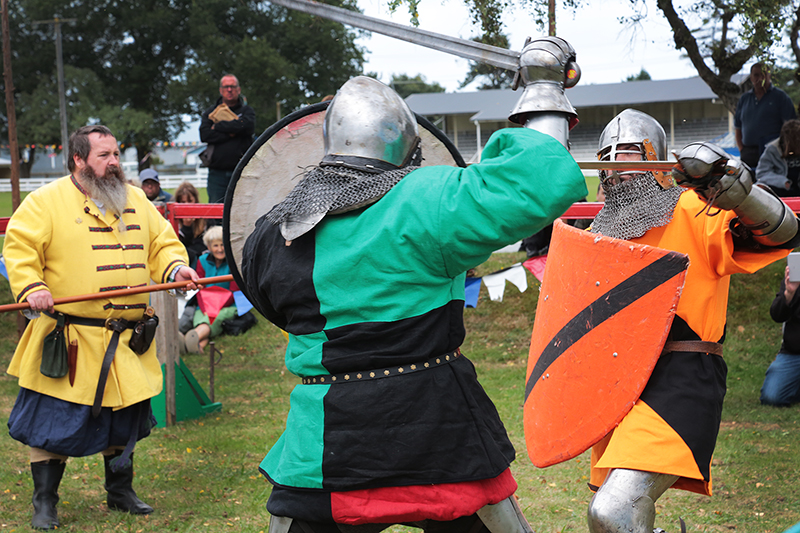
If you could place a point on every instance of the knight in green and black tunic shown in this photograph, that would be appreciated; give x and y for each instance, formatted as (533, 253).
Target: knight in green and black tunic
(390, 423)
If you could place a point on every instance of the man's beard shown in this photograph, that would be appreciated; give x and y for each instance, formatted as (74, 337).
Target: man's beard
(110, 189)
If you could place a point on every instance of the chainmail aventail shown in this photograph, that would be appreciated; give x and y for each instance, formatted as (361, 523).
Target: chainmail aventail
(329, 189)
(634, 206)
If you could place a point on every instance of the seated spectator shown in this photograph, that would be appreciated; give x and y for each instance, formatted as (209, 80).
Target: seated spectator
(151, 186)
(208, 316)
(779, 166)
(782, 382)
(191, 230)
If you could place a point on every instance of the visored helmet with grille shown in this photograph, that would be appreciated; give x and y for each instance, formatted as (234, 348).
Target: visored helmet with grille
(631, 132)
(369, 127)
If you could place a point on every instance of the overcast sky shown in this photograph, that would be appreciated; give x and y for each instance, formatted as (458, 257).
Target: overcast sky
(606, 51)
(604, 48)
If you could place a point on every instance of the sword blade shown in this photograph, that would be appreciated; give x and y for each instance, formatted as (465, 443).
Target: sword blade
(483, 53)
(660, 166)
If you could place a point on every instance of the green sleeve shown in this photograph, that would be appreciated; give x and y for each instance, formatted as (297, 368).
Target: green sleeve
(524, 181)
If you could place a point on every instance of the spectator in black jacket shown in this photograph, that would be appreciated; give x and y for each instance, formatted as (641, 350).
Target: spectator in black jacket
(227, 128)
(782, 382)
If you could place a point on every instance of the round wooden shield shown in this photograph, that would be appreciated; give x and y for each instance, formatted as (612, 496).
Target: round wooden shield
(604, 312)
(276, 162)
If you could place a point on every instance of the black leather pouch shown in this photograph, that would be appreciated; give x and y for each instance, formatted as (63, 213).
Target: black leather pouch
(55, 359)
(143, 334)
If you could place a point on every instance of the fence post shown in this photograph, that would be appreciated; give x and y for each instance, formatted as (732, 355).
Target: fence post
(168, 350)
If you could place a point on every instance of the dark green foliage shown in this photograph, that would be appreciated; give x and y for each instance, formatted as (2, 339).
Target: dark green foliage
(137, 66)
(491, 77)
(405, 85)
(643, 75)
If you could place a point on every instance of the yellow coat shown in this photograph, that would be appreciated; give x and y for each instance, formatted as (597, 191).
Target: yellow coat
(59, 239)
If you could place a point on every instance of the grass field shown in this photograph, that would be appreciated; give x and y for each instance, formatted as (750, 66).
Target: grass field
(201, 475)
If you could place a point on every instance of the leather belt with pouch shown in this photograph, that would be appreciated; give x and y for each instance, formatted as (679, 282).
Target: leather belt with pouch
(55, 351)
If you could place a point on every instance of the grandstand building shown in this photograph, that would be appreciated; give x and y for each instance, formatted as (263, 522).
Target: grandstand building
(687, 108)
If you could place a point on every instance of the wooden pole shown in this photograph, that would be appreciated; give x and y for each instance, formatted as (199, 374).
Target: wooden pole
(167, 347)
(121, 292)
(11, 113)
(663, 166)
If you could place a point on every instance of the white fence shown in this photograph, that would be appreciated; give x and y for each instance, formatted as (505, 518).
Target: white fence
(168, 181)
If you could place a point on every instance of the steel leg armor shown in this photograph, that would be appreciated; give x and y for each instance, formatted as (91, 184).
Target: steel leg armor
(504, 517)
(626, 501)
(279, 524)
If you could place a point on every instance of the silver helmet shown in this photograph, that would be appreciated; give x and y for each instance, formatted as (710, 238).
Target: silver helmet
(641, 132)
(369, 127)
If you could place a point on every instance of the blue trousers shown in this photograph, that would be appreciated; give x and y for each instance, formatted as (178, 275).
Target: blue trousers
(217, 185)
(782, 383)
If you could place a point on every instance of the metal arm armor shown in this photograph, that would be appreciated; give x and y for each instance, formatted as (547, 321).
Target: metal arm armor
(727, 184)
(546, 67)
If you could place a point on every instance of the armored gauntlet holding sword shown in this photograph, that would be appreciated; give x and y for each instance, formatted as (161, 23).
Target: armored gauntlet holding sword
(727, 184)
(547, 66)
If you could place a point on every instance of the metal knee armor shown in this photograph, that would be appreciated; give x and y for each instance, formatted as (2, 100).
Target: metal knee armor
(626, 501)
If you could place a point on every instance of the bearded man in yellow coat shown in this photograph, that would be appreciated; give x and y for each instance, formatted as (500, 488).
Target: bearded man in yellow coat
(85, 378)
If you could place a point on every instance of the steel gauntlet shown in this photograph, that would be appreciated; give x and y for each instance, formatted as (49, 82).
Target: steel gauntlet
(547, 67)
(727, 183)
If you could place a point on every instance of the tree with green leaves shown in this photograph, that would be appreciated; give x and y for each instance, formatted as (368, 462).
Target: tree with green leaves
(139, 65)
(718, 37)
(642, 76)
(491, 77)
(283, 59)
(405, 85)
(120, 60)
(727, 35)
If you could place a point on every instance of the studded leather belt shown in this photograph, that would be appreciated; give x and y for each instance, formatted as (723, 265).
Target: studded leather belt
(379, 373)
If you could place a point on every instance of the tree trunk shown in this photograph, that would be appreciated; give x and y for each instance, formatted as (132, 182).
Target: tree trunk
(143, 155)
(728, 64)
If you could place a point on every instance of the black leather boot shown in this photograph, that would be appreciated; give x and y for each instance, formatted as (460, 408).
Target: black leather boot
(46, 478)
(121, 496)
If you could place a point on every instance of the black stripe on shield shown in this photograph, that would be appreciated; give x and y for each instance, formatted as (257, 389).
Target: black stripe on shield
(606, 306)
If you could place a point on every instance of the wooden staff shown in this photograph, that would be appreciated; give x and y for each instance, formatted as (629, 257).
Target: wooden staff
(662, 166)
(121, 292)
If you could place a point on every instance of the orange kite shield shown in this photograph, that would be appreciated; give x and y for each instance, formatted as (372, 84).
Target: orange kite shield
(604, 312)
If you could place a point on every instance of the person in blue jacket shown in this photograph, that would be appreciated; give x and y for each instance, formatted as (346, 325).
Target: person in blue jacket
(211, 264)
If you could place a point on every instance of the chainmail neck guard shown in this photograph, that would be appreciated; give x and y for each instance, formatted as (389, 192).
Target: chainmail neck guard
(634, 206)
(331, 190)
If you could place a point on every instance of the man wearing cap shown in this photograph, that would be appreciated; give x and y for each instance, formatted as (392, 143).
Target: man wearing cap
(151, 186)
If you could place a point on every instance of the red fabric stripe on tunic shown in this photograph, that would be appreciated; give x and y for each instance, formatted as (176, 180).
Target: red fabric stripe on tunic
(445, 501)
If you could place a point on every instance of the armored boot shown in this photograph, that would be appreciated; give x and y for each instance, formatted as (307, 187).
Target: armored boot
(46, 478)
(121, 496)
